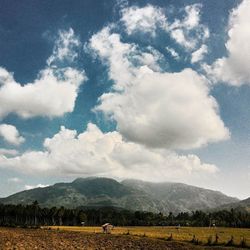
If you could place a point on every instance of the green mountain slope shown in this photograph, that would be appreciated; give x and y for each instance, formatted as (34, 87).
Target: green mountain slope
(181, 197)
(243, 206)
(128, 194)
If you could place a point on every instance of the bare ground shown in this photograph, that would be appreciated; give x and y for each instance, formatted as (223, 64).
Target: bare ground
(30, 239)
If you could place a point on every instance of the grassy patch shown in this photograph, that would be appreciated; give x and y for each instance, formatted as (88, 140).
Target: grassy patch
(196, 235)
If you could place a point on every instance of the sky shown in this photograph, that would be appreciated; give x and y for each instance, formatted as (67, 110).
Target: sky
(151, 89)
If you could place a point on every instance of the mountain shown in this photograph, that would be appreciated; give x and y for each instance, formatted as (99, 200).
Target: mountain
(179, 197)
(128, 194)
(243, 206)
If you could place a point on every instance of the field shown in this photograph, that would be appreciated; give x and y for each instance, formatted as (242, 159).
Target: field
(179, 234)
(183, 234)
(30, 239)
(120, 238)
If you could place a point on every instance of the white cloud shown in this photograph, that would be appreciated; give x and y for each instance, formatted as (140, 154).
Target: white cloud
(109, 46)
(234, 68)
(157, 109)
(4, 151)
(121, 56)
(166, 110)
(106, 154)
(173, 53)
(199, 54)
(54, 91)
(10, 134)
(187, 31)
(151, 58)
(65, 47)
(52, 94)
(179, 36)
(192, 18)
(28, 187)
(146, 19)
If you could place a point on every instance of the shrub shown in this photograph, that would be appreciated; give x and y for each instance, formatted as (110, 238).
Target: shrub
(196, 242)
(193, 239)
(243, 242)
(230, 242)
(128, 233)
(216, 239)
(170, 238)
(210, 240)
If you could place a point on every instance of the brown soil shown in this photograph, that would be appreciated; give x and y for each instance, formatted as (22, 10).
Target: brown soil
(31, 239)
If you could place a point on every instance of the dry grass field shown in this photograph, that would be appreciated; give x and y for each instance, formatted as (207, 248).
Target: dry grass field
(31, 239)
(121, 238)
(179, 234)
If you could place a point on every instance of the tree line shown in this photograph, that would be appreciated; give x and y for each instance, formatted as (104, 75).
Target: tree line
(34, 215)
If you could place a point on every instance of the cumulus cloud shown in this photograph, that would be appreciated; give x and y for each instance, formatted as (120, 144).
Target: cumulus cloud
(192, 17)
(106, 154)
(234, 69)
(173, 53)
(179, 36)
(187, 31)
(154, 111)
(5, 151)
(109, 46)
(52, 94)
(146, 19)
(54, 91)
(121, 57)
(65, 47)
(154, 108)
(10, 134)
(198, 55)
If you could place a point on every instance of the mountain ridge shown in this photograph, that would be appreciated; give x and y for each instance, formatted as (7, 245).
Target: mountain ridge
(242, 205)
(129, 194)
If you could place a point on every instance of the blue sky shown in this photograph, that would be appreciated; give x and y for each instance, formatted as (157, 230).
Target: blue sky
(153, 90)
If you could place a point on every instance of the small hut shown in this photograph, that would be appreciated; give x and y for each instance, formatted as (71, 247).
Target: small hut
(107, 227)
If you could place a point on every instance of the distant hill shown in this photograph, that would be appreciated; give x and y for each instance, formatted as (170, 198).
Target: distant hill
(243, 206)
(128, 194)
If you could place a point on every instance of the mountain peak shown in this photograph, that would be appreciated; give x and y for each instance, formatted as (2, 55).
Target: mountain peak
(92, 178)
(129, 194)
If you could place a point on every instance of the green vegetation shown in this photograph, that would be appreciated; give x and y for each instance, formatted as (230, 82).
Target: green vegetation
(33, 215)
(197, 227)
(129, 194)
(243, 205)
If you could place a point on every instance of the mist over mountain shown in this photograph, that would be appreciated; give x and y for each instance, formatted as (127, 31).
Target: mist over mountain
(243, 206)
(128, 194)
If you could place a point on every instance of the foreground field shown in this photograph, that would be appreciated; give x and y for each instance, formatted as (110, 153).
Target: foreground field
(179, 234)
(30, 239)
